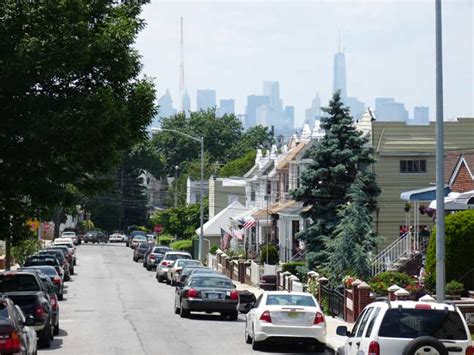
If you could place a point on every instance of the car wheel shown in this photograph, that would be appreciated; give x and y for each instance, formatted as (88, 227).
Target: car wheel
(248, 339)
(184, 313)
(256, 345)
(160, 279)
(56, 328)
(44, 339)
(72, 271)
(320, 347)
(234, 316)
(61, 297)
(177, 310)
(422, 344)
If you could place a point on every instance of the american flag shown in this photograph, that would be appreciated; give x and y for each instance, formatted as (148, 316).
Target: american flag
(248, 223)
(237, 233)
(225, 240)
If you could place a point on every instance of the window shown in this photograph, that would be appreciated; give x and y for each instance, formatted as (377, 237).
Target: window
(364, 322)
(357, 323)
(291, 300)
(252, 195)
(412, 166)
(371, 322)
(269, 187)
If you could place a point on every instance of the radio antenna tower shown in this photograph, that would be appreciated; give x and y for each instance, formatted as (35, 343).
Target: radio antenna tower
(181, 68)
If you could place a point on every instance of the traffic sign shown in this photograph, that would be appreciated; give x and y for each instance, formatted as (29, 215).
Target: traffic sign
(158, 229)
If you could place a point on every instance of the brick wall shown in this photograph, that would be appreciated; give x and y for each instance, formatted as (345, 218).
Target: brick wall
(463, 181)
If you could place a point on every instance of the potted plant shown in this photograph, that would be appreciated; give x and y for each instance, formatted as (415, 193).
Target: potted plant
(407, 207)
(454, 290)
(348, 280)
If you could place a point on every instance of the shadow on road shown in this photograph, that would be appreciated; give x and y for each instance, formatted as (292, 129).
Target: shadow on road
(213, 317)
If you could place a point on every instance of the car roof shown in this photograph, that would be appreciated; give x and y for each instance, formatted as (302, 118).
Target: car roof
(412, 305)
(196, 275)
(269, 293)
(178, 252)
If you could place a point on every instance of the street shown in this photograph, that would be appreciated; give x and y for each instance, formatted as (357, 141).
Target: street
(114, 306)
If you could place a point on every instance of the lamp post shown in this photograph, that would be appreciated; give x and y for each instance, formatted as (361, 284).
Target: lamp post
(201, 186)
(176, 186)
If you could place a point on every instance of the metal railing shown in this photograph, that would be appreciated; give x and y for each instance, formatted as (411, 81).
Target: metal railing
(334, 299)
(401, 249)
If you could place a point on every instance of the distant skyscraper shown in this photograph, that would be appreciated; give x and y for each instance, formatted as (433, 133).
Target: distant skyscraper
(165, 109)
(272, 90)
(357, 107)
(186, 102)
(422, 113)
(205, 99)
(226, 107)
(182, 87)
(314, 112)
(387, 109)
(289, 124)
(253, 102)
(339, 79)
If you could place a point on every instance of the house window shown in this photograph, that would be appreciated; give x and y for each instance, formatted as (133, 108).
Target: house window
(231, 198)
(412, 166)
(269, 188)
(252, 195)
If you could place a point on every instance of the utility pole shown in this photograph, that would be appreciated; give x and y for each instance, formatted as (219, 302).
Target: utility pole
(176, 186)
(440, 237)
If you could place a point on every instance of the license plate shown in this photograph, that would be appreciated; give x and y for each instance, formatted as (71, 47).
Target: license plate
(293, 314)
(213, 296)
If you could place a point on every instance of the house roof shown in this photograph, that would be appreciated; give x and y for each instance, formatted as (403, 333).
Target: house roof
(273, 209)
(426, 194)
(453, 161)
(283, 164)
(222, 219)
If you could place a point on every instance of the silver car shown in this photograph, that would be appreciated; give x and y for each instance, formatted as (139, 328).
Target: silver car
(167, 261)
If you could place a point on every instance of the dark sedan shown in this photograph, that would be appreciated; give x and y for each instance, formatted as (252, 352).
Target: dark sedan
(154, 257)
(139, 251)
(58, 254)
(207, 293)
(51, 272)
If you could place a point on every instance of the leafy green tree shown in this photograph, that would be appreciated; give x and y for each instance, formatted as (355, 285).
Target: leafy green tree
(459, 234)
(25, 248)
(336, 160)
(348, 252)
(253, 138)
(239, 166)
(71, 99)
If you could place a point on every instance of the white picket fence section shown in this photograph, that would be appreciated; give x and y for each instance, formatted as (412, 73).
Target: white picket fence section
(297, 286)
(270, 269)
(212, 261)
(254, 273)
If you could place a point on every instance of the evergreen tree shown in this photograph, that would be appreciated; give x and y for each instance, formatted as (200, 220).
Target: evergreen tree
(354, 238)
(337, 158)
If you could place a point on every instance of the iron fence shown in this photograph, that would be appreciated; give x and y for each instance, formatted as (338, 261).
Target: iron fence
(334, 300)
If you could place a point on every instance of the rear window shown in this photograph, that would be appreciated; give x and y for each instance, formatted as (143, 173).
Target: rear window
(3, 311)
(50, 271)
(177, 256)
(139, 237)
(211, 282)
(18, 282)
(161, 250)
(413, 323)
(291, 300)
(182, 263)
(33, 262)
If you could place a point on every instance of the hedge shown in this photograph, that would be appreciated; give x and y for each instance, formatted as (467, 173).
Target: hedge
(183, 245)
(273, 257)
(165, 240)
(381, 282)
(459, 234)
(291, 266)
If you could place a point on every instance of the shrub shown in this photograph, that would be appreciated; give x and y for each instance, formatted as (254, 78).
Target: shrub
(24, 249)
(183, 245)
(291, 266)
(459, 231)
(273, 257)
(381, 282)
(165, 240)
(213, 249)
(454, 288)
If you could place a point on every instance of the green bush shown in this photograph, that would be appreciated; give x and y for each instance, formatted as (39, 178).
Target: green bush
(183, 245)
(459, 232)
(165, 240)
(291, 266)
(273, 257)
(454, 288)
(213, 249)
(381, 282)
(24, 249)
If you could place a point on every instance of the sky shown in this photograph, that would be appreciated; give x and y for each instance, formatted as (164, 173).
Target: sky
(233, 47)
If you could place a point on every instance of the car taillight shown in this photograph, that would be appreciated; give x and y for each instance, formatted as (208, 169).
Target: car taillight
(266, 317)
(422, 306)
(165, 263)
(319, 318)
(234, 295)
(152, 256)
(54, 303)
(470, 350)
(192, 293)
(39, 311)
(374, 348)
(10, 343)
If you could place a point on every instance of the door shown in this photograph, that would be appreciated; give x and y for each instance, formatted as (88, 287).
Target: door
(353, 343)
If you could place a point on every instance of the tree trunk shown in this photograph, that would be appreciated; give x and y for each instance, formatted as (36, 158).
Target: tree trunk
(8, 254)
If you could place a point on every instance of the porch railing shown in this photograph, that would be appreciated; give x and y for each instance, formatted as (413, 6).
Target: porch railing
(396, 253)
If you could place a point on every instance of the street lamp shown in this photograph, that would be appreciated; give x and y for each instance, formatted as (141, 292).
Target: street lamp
(201, 187)
(176, 186)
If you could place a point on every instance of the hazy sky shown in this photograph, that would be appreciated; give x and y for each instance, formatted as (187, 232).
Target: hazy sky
(390, 50)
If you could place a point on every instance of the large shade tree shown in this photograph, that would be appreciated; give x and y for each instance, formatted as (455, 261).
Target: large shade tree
(336, 160)
(71, 99)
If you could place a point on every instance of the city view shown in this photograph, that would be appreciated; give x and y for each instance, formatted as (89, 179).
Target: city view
(242, 177)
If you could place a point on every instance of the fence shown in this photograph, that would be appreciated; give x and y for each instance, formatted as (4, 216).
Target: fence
(254, 273)
(270, 269)
(334, 300)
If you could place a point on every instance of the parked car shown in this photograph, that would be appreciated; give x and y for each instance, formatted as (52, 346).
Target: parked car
(151, 238)
(67, 253)
(58, 254)
(279, 315)
(116, 238)
(17, 335)
(139, 251)
(50, 271)
(168, 259)
(70, 246)
(27, 291)
(95, 236)
(154, 255)
(207, 293)
(175, 269)
(37, 260)
(137, 240)
(188, 270)
(408, 327)
(134, 234)
(71, 235)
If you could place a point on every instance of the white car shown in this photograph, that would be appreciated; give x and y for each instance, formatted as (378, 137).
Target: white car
(282, 314)
(116, 238)
(168, 260)
(71, 235)
(408, 327)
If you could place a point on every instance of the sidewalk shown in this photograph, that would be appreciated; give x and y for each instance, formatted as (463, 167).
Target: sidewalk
(333, 341)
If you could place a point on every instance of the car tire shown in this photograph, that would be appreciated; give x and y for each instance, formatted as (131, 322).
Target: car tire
(148, 268)
(56, 328)
(61, 297)
(234, 315)
(177, 310)
(160, 279)
(319, 347)
(424, 342)
(44, 339)
(183, 313)
(248, 338)
(256, 345)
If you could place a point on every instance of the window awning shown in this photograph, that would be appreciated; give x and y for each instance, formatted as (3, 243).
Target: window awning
(426, 194)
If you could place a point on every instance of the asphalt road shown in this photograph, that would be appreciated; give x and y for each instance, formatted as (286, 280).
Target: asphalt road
(114, 306)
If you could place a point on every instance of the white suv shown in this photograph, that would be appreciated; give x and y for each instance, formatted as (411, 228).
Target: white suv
(408, 328)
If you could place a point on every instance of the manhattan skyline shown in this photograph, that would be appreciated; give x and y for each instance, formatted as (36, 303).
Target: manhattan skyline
(389, 50)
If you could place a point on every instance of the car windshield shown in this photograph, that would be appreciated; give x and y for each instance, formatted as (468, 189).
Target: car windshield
(413, 323)
(219, 282)
(291, 300)
(142, 246)
(41, 261)
(59, 255)
(18, 282)
(69, 234)
(3, 310)
(160, 250)
(68, 245)
(177, 256)
(182, 263)
(48, 270)
(139, 238)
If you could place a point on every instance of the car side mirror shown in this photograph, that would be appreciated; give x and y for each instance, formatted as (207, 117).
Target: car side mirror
(234, 285)
(342, 331)
(30, 320)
